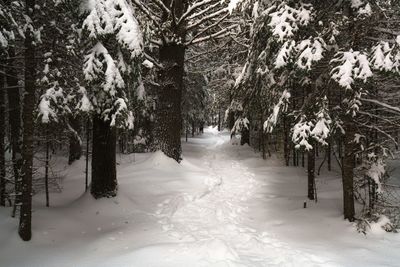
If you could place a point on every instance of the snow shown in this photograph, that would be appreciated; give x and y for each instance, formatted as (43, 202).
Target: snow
(281, 106)
(311, 51)
(223, 206)
(115, 17)
(352, 65)
(3, 41)
(148, 64)
(285, 21)
(301, 134)
(94, 62)
(284, 54)
(376, 173)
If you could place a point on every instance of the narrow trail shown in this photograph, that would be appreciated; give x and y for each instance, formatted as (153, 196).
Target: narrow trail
(212, 226)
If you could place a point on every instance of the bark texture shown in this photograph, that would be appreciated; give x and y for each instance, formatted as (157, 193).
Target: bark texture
(348, 169)
(14, 119)
(2, 143)
(104, 173)
(75, 146)
(25, 230)
(311, 173)
(168, 124)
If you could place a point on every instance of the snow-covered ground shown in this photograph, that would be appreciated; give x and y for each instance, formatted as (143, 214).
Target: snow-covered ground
(223, 206)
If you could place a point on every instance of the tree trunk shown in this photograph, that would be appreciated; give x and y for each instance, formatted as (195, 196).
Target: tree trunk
(46, 172)
(104, 173)
(348, 168)
(219, 120)
(168, 114)
(329, 155)
(311, 173)
(2, 142)
(75, 146)
(25, 229)
(231, 120)
(14, 118)
(245, 136)
(286, 150)
(87, 155)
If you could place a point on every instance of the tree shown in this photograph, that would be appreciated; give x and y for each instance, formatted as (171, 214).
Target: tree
(111, 71)
(176, 25)
(11, 27)
(318, 42)
(25, 230)
(2, 141)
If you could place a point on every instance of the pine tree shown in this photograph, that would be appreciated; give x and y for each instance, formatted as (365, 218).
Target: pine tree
(110, 70)
(177, 25)
(25, 229)
(319, 42)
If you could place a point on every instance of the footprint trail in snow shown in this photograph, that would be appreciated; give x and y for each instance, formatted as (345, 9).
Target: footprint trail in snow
(211, 228)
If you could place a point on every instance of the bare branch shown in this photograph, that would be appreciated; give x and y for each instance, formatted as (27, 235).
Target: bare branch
(206, 18)
(193, 8)
(222, 33)
(147, 12)
(386, 106)
(210, 27)
(152, 60)
(162, 6)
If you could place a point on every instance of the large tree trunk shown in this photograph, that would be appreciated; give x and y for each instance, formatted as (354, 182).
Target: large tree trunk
(104, 173)
(348, 169)
(168, 124)
(311, 173)
(14, 118)
(25, 230)
(245, 136)
(75, 146)
(2, 142)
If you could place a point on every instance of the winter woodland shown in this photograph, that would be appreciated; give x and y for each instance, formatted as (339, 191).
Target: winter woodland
(199, 133)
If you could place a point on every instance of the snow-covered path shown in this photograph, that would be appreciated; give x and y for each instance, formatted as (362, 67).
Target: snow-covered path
(223, 206)
(211, 228)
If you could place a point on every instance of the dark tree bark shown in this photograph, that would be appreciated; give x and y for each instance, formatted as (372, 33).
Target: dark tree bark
(329, 155)
(168, 114)
(75, 146)
(311, 173)
(219, 120)
(245, 139)
(168, 124)
(348, 169)
(286, 150)
(14, 118)
(2, 142)
(231, 120)
(25, 230)
(104, 173)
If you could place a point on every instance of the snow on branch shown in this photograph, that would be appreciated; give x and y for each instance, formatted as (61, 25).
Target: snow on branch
(195, 24)
(286, 20)
(281, 106)
(240, 124)
(52, 99)
(94, 65)
(301, 134)
(220, 34)
(351, 65)
(115, 17)
(196, 5)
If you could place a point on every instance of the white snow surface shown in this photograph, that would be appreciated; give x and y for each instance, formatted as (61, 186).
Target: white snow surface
(223, 206)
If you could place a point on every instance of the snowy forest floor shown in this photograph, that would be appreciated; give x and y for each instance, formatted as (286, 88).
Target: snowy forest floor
(223, 206)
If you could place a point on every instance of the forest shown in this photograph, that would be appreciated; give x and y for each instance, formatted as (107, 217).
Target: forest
(199, 132)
